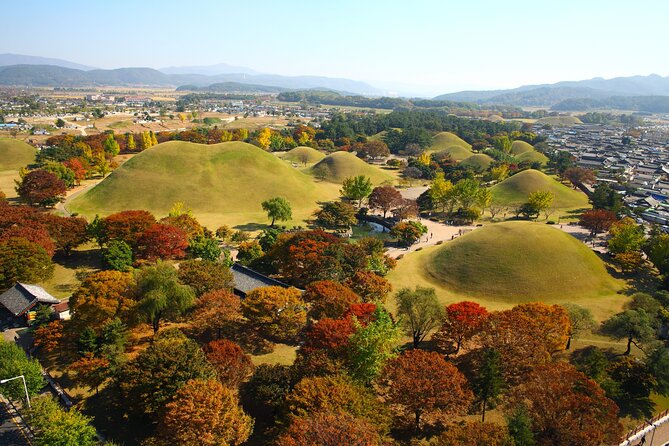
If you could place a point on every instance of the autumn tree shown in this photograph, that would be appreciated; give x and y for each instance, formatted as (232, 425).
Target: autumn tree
(151, 379)
(369, 286)
(385, 198)
(473, 433)
(276, 312)
(23, 261)
(330, 429)
(336, 394)
(162, 241)
(420, 312)
(336, 215)
(126, 225)
(232, 365)
(633, 325)
(567, 408)
(217, 312)
(461, 322)
(203, 412)
(423, 383)
(40, 187)
(277, 208)
(161, 295)
(103, 296)
(597, 220)
(329, 299)
(356, 188)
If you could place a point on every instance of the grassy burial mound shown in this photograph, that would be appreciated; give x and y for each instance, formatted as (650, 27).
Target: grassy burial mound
(303, 155)
(518, 262)
(478, 161)
(221, 183)
(15, 154)
(340, 165)
(514, 190)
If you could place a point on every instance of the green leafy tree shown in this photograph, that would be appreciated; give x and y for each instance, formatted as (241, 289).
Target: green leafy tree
(162, 295)
(14, 362)
(118, 255)
(277, 208)
(54, 426)
(356, 188)
(372, 346)
(489, 380)
(420, 312)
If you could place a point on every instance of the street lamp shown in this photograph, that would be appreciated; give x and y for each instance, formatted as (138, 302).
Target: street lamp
(2, 381)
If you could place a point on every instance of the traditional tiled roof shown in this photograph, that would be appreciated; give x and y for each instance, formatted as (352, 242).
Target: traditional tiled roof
(22, 297)
(247, 280)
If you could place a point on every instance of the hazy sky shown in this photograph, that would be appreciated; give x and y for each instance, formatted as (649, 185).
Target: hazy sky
(432, 46)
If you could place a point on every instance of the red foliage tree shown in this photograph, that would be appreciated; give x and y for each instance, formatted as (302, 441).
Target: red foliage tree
(230, 362)
(330, 429)
(385, 198)
(422, 382)
(41, 187)
(126, 226)
(567, 408)
(597, 220)
(329, 299)
(36, 234)
(461, 322)
(162, 242)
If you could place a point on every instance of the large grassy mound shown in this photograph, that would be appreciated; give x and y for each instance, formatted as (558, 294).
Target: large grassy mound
(15, 154)
(303, 154)
(519, 147)
(479, 160)
(340, 165)
(221, 183)
(445, 140)
(519, 262)
(515, 189)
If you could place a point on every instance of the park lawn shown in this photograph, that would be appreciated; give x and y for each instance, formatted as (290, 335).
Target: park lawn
(478, 266)
(222, 184)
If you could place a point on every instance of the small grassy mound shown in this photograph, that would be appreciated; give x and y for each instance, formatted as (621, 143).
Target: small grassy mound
(515, 189)
(340, 165)
(15, 154)
(560, 121)
(532, 157)
(520, 147)
(445, 140)
(457, 153)
(479, 160)
(519, 262)
(303, 155)
(221, 183)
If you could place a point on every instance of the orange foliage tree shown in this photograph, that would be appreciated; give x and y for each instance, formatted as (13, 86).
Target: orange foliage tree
(566, 407)
(423, 383)
(231, 363)
(204, 412)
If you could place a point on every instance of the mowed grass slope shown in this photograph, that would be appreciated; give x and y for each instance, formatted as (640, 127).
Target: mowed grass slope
(303, 154)
(515, 190)
(505, 264)
(15, 154)
(221, 183)
(340, 165)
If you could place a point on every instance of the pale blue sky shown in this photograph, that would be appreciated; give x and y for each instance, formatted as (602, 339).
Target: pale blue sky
(435, 46)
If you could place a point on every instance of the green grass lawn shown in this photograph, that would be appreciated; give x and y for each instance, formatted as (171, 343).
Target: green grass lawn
(222, 183)
(504, 264)
(340, 165)
(515, 190)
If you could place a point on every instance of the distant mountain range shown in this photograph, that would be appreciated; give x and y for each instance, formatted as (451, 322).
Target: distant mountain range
(42, 72)
(552, 95)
